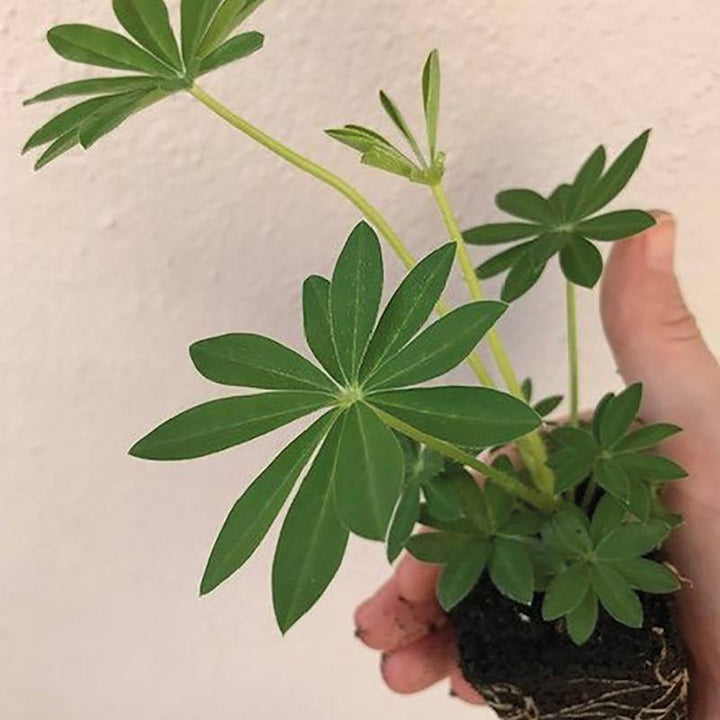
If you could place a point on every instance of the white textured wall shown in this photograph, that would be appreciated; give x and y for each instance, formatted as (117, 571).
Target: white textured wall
(177, 228)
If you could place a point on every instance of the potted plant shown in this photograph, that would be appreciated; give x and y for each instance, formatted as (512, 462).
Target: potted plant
(551, 547)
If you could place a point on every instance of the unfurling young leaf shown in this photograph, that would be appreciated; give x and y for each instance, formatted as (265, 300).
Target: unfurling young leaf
(431, 99)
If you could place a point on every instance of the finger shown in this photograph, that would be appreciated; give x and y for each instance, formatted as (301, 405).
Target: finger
(417, 580)
(653, 335)
(462, 689)
(422, 664)
(388, 620)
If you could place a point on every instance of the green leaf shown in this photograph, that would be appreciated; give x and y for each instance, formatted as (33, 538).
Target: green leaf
(548, 405)
(467, 416)
(571, 468)
(503, 261)
(254, 513)
(567, 532)
(528, 205)
(586, 179)
(600, 410)
(500, 233)
(633, 540)
(148, 22)
(651, 467)
(440, 348)
(104, 48)
(616, 596)
(241, 46)
(581, 262)
(318, 330)
(461, 575)
(396, 116)
(409, 308)
(500, 503)
(608, 517)
(96, 86)
(646, 437)
(355, 297)
(470, 496)
(566, 591)
(312, 541)
(431, 99)
(648, 576)
(511, 570)
(441, 498)
(458, 526)
(524, 275)
(369, 473)
(404, 520)
(619, 415)
(62, 145)
(579, 439)
(197, 15)
(639, 502)
(616, 225)
(115, 113)
(393, 161)
(616, 178)
(358, 138)
(67, 121)
(581, 622)
(437, 547)
(229, 16)
(527, 389)
(523, 523)
(611, 476)
(258, 362)
(222, 424)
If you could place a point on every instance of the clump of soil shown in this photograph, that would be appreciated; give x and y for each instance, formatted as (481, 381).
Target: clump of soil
(528, 669)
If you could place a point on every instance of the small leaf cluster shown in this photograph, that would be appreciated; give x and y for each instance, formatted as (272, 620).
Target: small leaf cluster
(613, 454)
(364, 387)
(490, 530)
(160, 65)
(376, 151)
(564, 224)
(602, 563)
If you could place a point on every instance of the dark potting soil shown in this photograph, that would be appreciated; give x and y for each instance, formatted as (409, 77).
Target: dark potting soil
(528, 669)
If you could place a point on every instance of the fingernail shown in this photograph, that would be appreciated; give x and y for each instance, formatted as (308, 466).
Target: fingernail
(660, 243)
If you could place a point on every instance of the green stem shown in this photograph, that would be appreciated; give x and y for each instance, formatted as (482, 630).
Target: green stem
(537, 499)
(372, 214)
(531, 447)
(572, 339)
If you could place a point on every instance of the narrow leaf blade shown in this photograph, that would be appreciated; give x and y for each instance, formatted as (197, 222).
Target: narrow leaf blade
(254, 513)
(318, 328)
(241, 46)
(312, 541)
(616, 225)
(461, 575)
(222, 424)
(255, 361)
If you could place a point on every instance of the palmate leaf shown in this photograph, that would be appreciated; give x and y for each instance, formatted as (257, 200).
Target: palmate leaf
(566, 591)
(438, 547)
(222, 424)
(568, 211)
(467, 416)
(254, 361)
(619, 414)
(409, 307)
(511, 570)
(254, 513)
(617, 596)
(355, 294)
(367, 450)
(581, 621)
(648, 576)
(442, 347)
(646, 437)
(148, 22)
(104, 48)
(312, 540)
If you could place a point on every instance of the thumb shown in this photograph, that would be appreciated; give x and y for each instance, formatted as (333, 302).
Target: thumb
(653, 335)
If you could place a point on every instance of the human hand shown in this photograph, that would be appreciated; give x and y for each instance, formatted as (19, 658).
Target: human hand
(655, 341)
